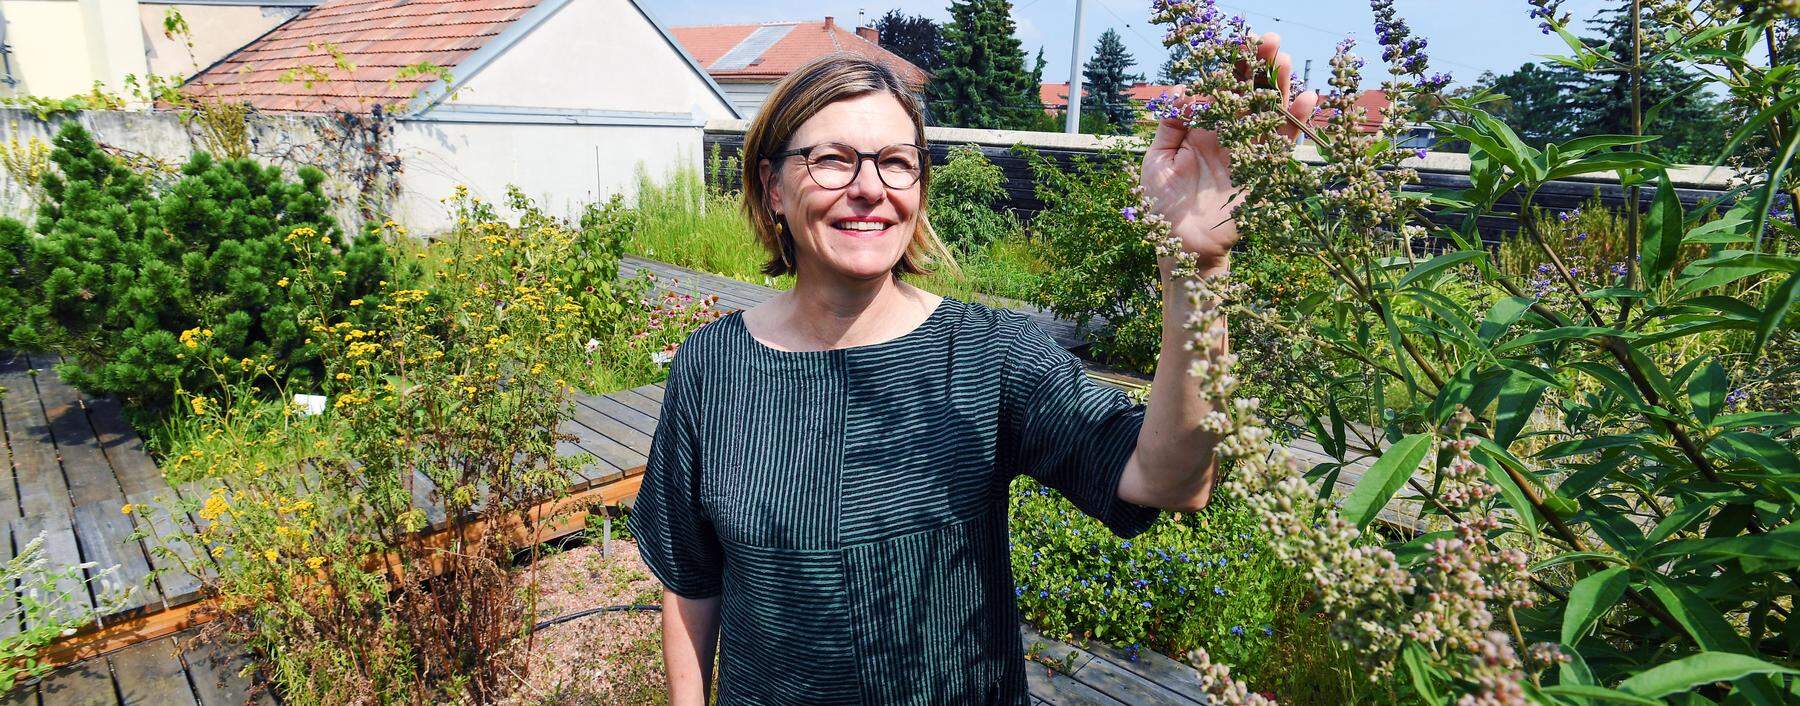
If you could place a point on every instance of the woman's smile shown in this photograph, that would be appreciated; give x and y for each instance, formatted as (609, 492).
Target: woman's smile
(863, 226)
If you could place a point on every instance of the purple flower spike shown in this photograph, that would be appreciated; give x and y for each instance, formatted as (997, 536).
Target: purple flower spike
(1131, 214)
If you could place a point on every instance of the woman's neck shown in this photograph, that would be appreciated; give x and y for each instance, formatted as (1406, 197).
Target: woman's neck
(823, 312)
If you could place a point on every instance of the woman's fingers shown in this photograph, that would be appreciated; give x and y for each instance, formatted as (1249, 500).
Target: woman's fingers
(1284, 70)
(1170, 132)
(1302, 109)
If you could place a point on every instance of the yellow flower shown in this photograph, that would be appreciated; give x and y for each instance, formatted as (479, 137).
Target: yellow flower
(199, 404)
(283, 282)
(356, 302)
(271, 554)
(315, 562)
(126, 510)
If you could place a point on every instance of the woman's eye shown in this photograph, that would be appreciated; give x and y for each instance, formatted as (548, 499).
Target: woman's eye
(831, 160)
(899, 163)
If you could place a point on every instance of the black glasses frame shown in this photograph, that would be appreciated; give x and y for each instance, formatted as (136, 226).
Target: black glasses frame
(856, 171)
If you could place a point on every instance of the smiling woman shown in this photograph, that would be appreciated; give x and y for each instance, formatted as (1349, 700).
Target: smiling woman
(827, 487)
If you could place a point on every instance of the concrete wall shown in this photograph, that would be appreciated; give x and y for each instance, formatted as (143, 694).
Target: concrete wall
(564, 166)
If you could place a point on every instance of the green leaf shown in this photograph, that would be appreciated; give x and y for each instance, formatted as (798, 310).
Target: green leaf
(1518, 400)
(1778, 548)
(1600, 693)
(1501, 317)
(1697, 670)
(1706, 393)
(1584, 145)
(1700, 619)
(1780, 301)
(1614, 293)
(1662, 232)
(1754, 125)
(1779, 420)
(1756, 449)
(1384, 478)
(1590, 598)
(1608, 162)
(1563, 333)
(1439, 264)
(1491, 458)
(1611, 378)
(1424, 676)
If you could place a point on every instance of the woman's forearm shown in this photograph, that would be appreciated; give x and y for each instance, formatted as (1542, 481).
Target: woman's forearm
(690, 631)
(1175, 466)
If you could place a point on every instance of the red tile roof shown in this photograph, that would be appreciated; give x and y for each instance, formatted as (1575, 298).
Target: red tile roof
(375, 40)
(1056, 95)
(804, 42)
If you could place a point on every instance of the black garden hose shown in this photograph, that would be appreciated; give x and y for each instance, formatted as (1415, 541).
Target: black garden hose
(594, 611)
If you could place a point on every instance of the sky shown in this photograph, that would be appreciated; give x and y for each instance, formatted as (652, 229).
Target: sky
(1466, 37)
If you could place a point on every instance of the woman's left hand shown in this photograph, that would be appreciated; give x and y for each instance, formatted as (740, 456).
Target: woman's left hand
(1187, 173)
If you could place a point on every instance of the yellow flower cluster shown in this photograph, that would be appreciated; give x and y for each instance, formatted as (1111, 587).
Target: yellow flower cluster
(192, 337)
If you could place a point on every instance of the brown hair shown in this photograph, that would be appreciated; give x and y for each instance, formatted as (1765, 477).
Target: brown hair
(796, 99)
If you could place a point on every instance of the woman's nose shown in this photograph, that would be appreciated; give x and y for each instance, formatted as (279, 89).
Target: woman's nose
(867, 184)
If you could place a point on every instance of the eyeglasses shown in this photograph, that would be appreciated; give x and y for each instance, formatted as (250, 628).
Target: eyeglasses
(833, 165)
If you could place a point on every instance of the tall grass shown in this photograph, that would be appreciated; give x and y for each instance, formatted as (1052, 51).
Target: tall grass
(682, 222)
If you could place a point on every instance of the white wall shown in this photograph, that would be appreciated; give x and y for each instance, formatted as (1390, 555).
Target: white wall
(748, 97)
(593, 55)
(563, 167)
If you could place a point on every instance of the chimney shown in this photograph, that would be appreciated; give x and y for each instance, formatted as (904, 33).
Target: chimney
(870, 34)
(828, 24)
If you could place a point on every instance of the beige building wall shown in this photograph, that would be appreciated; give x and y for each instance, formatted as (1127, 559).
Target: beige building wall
(216, 30)
(49, 41)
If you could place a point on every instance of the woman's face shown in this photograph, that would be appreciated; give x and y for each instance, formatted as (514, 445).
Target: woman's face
(859, 231)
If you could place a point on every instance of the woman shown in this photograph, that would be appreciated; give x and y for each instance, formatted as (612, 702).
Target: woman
(827, 488)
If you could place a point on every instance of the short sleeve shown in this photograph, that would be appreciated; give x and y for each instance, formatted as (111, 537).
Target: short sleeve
(673, 533)
(1068, 432)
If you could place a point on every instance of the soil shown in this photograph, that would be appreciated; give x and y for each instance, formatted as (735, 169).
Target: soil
(603, 659)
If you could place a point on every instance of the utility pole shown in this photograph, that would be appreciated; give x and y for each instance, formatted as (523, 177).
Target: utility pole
(1306, 78)
(1073, 124)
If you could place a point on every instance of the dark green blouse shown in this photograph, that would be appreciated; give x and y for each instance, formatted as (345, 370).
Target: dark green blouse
(850, 505)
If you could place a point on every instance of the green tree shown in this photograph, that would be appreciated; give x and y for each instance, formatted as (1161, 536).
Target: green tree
(984, 82)
(1690, 122)
(914, 38)
(1169, 74)
(1105, 79)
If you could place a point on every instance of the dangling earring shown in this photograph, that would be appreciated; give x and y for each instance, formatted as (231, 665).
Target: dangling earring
(786, 242)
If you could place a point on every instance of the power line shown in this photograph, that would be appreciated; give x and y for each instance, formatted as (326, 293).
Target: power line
(1333, 33)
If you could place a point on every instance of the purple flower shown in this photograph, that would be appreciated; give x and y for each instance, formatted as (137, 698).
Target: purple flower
(1145, 604)
(1619, 270)
(1218, 591)
(1131, 214)
(1421, 153)
(1567, 216)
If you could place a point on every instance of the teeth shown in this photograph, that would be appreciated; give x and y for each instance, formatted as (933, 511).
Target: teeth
(861, 225)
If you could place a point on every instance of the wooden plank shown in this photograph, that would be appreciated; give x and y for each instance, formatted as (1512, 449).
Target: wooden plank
(87, 683)
(1054, 650)
(638, 422)
(124, 450)
(1062, 689)
(611, 452)
(653, 392)
(651, 409)
(21, 696)
(60, 550)
(611, 428)
(217, 673)
(169, 556)
(151, 674)
(422, 489)
(9, 492)
(1177, 683)
(42, 489)
(9, 591)
(89, 474)
(104, 535)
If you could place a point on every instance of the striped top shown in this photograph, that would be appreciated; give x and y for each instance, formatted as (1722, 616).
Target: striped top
(850, 505)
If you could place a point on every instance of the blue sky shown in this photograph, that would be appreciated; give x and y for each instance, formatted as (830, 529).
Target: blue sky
(1467, 36)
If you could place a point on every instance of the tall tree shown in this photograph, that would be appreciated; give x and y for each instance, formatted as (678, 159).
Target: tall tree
(1037, 70)
(1690, 122)
(1106, 79)
(1168, 73)
(915, 38)
(984, 82)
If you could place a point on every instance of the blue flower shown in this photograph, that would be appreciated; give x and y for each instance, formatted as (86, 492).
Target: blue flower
(1019, 592)
(1218, 591)
(1146, 605)
(1126, 544)
(1043, 594)
(1237, 630)
(1268, 630)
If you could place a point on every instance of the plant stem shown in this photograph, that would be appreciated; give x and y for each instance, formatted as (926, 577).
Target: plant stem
(1632, 217)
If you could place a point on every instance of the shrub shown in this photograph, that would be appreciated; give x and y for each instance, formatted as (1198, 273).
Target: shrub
(1105, 271)
(46, 604)
(965, 193)
(1611, 526)
(443, 406)
(117, 271)
(1198, 579)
